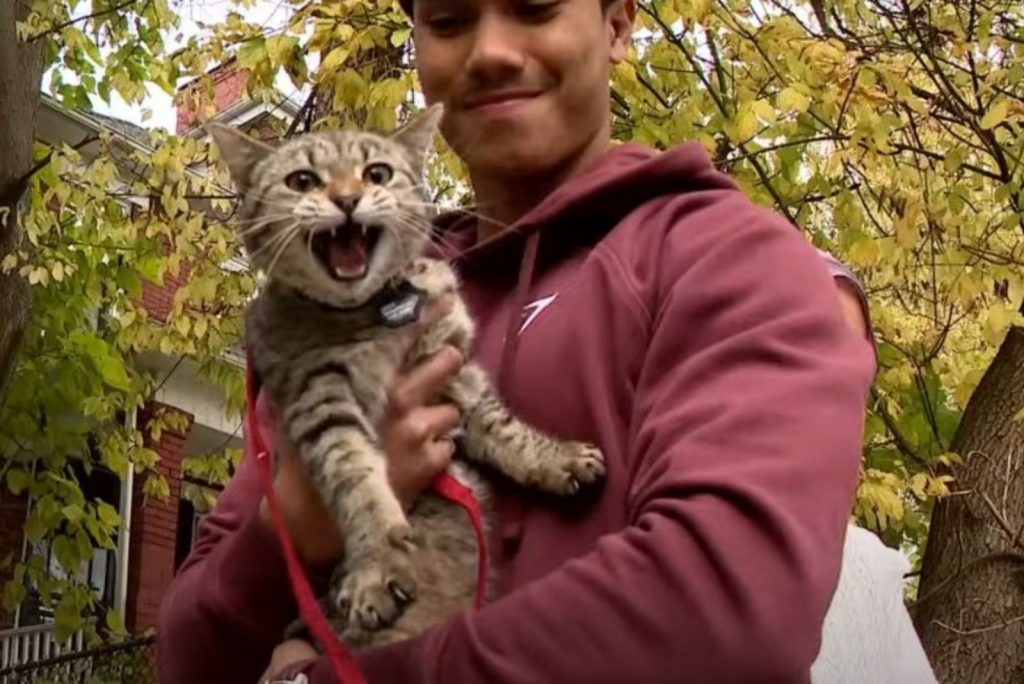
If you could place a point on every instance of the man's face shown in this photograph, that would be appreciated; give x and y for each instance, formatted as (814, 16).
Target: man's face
(524, 82)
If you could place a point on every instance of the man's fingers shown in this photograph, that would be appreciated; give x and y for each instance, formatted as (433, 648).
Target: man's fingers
(424, 381)
(439, 454)
(435, 311)
(428, 423)
(431, 313)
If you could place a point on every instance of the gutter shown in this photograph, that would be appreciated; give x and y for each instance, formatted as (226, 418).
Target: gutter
(124, 535)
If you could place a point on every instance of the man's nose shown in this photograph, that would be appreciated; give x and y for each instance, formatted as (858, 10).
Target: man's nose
(498, 49)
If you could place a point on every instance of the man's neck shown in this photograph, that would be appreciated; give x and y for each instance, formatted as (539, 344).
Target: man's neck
(503, 200)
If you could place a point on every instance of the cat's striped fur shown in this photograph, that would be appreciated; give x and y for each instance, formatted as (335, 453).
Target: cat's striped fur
(327, 365)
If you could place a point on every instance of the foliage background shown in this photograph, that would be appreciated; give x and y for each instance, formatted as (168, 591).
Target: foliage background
(889, 131)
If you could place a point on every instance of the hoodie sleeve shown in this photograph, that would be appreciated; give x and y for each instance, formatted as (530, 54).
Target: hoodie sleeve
(231, 600)
(744, 446)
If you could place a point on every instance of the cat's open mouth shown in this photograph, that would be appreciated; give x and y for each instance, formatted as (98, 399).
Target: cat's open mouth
(345, 251)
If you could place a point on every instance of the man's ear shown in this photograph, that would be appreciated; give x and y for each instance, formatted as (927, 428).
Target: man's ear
(418, 134)
(620, 16)
(240, 152)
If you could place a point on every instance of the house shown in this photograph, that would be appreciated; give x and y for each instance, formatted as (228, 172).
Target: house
(155, 535)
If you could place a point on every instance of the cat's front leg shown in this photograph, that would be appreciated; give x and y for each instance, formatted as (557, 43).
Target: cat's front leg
(495, 437)
(349, 472)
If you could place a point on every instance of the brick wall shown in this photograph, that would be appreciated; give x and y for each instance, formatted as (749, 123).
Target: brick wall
(229, 83)
(158, 300)
(12, 523)
(154, 530)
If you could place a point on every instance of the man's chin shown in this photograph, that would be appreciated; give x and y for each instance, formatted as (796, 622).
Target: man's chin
(510, 157)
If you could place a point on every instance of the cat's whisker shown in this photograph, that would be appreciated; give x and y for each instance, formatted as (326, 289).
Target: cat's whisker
(253, 230)
(461, 210)
(426, 230)
(249, 227)
(275, 241)
(264, 218)
(292, 233)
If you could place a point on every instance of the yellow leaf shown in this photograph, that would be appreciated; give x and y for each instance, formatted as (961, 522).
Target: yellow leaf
(995, 115)
(400, 37)
(919, 485)
(199, 328)
(997, 319)
(790, 98)
(334, 59)
(745, 125)
(39, 275)
(764, 111)
(182, 325)
(9, 263)
(58, 271)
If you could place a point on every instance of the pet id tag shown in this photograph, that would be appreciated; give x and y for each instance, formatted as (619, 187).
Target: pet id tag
(402, 307)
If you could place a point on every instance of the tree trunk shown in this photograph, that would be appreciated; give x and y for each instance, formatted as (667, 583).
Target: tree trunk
(21, 73)
(970, 613)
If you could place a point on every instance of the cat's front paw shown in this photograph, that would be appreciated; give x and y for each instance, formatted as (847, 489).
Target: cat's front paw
(378, 587)
(570, 467)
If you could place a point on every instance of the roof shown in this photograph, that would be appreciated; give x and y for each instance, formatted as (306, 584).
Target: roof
(120, 125)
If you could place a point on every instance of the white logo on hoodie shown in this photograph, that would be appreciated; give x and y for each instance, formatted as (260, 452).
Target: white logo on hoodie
(534, 309)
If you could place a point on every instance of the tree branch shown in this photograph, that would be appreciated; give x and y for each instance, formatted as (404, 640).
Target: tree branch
(58, 28)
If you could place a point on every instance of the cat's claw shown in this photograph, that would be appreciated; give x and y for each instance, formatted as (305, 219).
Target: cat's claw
(375, 592)
(575, 466)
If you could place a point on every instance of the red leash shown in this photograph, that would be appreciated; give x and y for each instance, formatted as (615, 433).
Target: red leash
(346, 670)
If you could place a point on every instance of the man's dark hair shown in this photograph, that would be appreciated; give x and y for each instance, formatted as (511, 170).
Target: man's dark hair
(407, 6)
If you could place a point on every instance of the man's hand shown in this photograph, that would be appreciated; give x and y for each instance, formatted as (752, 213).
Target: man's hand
(286, 654)
(415, 433)
(415, 438)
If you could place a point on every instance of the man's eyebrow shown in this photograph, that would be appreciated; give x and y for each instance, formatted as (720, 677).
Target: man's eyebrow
(441, 4)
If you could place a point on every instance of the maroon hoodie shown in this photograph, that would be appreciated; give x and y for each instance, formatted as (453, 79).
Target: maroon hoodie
(693, 336)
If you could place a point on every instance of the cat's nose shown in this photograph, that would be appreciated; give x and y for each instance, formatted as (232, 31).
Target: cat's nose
(347, 203)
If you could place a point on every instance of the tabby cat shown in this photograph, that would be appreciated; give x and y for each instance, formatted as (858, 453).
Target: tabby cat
(339, 224)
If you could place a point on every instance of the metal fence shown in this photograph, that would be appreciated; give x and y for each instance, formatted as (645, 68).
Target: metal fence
(130, 662)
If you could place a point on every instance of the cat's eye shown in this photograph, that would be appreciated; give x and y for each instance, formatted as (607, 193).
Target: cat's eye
(303, 181)
(378, 174)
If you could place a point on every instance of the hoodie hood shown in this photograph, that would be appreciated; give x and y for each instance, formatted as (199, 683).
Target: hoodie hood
(578, 213)
(585, 208)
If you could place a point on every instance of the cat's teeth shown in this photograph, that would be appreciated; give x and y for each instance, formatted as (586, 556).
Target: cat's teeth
(363, 228)
(334, 231)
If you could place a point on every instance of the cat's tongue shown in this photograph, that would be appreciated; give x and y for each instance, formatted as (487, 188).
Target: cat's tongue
(347, 254)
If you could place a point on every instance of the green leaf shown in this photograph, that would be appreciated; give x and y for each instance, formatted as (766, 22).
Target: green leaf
(18, 480)
(14, 593)
(68, 618)
(105, 360)
(73, 513)
(114, 623)
(252, 54)
(151, 268)
(35, 528)
(108, 515)
(66, 552)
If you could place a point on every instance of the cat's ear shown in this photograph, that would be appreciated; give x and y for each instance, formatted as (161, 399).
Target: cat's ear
(418, 134)
(239, 151)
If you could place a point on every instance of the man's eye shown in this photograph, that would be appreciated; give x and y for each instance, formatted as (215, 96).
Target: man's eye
(445, 23)
(537, 10)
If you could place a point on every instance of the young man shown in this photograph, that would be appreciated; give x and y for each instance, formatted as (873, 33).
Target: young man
(638, 301)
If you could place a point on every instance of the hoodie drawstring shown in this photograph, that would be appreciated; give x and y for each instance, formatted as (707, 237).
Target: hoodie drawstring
(515, 314)
(511, 510)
